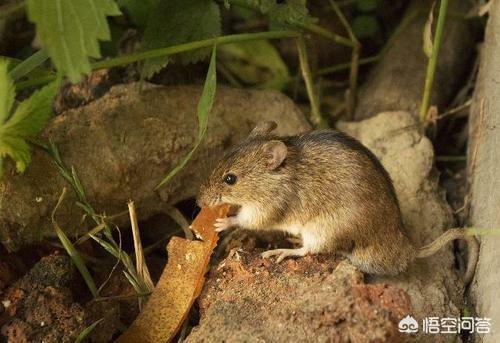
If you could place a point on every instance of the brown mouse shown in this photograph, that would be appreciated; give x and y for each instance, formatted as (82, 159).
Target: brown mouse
(325, 187)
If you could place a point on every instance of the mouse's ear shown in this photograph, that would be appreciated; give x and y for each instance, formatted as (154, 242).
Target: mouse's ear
(276, 152)
(263, 128)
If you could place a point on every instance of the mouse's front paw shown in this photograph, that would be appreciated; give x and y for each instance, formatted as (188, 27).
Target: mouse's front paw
(282, 253)
(222, 224)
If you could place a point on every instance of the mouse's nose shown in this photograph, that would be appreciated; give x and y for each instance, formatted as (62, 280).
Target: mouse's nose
(201, 202)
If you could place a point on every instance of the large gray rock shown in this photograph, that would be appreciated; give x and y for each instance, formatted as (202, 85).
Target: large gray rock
(484, 176)
(122, 145)
(396, 83)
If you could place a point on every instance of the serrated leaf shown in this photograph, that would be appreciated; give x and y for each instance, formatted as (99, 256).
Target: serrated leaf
(204, 107)
(7, 91)
(31, 114)
(17, 149)
(176, 22)
(139, 11)
(286, 15)
(70, 31)
(28, 119)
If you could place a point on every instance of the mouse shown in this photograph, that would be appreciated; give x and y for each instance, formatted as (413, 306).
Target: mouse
(325, 187)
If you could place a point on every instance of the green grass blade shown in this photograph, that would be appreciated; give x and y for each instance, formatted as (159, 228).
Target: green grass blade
(204, 108)
(72, 252)
(77, 260)
(207, 96)
(133, 282)
(433, 61)
(83, 335)
(29, 64)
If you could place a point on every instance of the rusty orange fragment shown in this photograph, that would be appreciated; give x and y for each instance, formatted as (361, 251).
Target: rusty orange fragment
(179, 285)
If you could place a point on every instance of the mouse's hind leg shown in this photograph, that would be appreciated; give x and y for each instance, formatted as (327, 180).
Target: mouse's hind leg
(314, 240)
(283, 253)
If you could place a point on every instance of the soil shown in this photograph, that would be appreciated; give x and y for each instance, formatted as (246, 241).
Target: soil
(311, 299)
(40, 307)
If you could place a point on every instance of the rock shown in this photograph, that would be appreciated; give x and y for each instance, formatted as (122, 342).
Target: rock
(41, 307)
(248, 299)
(396, 83)
(484, 177)
(122, 145)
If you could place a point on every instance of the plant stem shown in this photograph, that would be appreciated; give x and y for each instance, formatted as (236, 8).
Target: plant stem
(356, 48)
(315, 117)
(432, 65)
(323, 71)
(313, 28)
(171, 50)
(343, 66)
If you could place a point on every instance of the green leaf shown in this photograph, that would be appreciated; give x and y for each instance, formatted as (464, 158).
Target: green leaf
(7, 91)
(254, 62)
(176, 22)
(285, 15)
(12, 62)
(17, 149)
(204, 107)
(70, 31)
(31, 114)
(28, 119)
(139, 11)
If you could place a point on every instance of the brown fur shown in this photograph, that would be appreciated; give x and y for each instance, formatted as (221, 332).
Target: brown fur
(329, 189)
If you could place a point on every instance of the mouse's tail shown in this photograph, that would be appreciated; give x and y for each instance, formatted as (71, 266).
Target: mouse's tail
(450, 235)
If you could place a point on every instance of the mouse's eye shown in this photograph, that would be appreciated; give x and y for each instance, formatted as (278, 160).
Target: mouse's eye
(230, 179)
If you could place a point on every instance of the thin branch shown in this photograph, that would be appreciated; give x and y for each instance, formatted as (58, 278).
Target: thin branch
(356, 49)
(432, 65)
(140, 262)
(315, 116)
